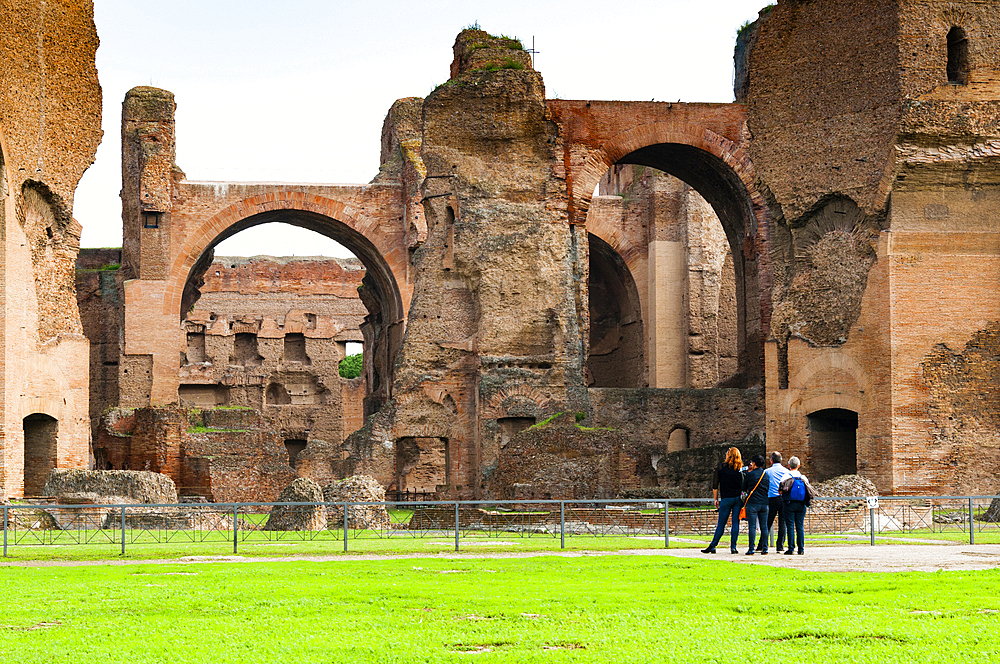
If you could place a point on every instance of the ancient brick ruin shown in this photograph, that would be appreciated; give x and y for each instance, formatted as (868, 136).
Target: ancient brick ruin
(814, 265)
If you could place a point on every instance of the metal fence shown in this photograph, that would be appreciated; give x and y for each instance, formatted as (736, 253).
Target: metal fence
(122, 526)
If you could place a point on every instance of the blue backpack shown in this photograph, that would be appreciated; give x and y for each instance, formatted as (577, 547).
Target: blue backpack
(798, 490)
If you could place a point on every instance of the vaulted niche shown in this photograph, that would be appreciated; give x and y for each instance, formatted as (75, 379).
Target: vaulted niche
(616, 339)
(958, 57)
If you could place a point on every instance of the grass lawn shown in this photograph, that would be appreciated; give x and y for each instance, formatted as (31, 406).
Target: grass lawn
(594, 609)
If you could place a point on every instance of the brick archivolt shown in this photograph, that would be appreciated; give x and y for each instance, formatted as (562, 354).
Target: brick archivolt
(199, 240)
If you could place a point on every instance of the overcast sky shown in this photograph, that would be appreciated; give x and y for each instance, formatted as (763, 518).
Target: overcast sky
(296, 91)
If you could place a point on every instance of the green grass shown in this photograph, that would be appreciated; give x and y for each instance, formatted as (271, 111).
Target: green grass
(606, 609)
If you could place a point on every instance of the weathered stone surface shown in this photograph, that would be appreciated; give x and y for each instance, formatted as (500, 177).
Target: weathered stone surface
(362, 489)
(561, 460)
(131, 486)
(50, 120)
(298, 517)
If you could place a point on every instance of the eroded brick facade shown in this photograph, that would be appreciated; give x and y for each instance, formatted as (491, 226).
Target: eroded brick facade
(848, 285)
(50, 125)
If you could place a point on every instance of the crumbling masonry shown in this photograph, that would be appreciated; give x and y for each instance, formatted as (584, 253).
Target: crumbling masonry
(816, 263)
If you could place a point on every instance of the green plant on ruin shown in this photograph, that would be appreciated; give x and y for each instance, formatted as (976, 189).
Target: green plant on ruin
(511, 64)
(350, 366)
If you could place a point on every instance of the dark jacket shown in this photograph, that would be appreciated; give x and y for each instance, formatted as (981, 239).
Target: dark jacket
(729, 482)
(753, 479)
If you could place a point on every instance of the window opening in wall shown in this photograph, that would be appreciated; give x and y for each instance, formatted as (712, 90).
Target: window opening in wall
(833, 448)
(195, 347)
(295, 349)
(40, 445)
(294, 446)
(150, 219)
(958, 57)
(245, 350)
(678, 440)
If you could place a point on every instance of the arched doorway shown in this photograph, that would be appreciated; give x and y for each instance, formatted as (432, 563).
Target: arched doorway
(833, 443)
(616, 357)
(41, 436)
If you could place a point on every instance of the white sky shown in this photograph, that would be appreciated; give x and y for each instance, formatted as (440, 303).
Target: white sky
(296, 90)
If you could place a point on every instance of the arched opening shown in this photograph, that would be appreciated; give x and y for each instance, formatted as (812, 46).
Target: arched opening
(833, 445)
(616, 357)
(958, 57)
(41, 433)
(274, 329)
(728, 196)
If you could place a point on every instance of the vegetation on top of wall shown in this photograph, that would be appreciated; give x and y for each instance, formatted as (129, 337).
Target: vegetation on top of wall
(350, 366)
(748, 24)
(202, 429)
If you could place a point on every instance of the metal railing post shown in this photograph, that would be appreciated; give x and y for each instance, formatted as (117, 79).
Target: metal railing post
(345, 527)
(456, 525)
(871, 523)
(666, 524)
(972, 524)
(5, 512)
(123, 530)
(236, 528)
(562, 525)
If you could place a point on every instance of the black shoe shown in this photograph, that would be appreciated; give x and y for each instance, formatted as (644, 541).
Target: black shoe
(789, 552)
(709, 550)
(733, 551)
(749, 553)
(801, 552)
(763, 553)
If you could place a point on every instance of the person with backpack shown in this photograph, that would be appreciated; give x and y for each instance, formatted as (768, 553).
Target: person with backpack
(755, 502)
(797, 494)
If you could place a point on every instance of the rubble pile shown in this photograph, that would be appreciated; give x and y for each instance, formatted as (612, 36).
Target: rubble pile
(357, 488)
(842, 486)
(299, 517)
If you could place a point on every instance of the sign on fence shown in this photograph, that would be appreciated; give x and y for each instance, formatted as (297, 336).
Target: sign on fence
(872, 502)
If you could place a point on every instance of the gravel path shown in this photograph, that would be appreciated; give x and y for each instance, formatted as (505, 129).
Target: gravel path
(894, 558)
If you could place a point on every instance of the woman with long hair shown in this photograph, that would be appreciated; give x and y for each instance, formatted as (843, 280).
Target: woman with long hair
(727, 484)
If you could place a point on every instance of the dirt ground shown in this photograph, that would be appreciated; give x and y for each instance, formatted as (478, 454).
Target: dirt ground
(884, 558)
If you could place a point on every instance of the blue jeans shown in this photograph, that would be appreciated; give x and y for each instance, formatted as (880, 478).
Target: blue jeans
(757, 515)
(727, 506)
(795, 519)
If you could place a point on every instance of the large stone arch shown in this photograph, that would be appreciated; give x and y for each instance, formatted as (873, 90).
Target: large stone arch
(377, 249)
(721, 171)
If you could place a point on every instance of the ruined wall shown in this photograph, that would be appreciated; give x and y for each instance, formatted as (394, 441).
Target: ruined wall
(499, 289)
(50, 118)
(269, 333)
(223, 455)
(884, 254)
(99, 299)
(688, 309)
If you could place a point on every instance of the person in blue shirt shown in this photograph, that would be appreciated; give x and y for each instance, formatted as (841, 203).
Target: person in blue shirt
(775, 474)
